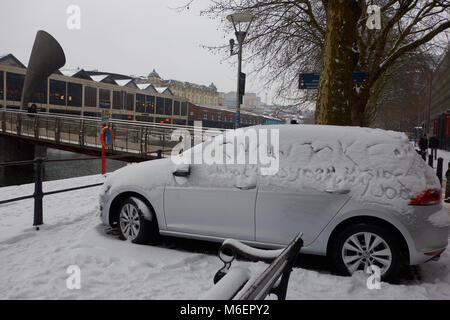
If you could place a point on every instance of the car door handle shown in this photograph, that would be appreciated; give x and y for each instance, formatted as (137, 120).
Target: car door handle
(342, 191)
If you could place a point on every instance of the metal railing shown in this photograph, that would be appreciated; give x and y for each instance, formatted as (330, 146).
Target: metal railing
(39, 194)
(132, 137)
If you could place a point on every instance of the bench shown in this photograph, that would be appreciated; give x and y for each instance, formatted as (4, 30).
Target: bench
(237, 283)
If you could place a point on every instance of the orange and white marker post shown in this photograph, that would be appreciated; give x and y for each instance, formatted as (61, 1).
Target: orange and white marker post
(106, 138)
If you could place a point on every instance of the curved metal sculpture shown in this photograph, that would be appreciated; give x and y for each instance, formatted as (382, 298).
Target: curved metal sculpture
(47, 56)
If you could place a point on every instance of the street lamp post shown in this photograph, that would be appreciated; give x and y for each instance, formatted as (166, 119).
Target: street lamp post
(239, 20)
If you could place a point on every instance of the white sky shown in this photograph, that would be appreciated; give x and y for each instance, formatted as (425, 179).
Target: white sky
(127, 36)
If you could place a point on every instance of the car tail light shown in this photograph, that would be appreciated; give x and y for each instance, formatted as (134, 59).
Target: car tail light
(427, 197)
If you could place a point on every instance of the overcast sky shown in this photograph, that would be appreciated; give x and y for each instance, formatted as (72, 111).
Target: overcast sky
(126, 36)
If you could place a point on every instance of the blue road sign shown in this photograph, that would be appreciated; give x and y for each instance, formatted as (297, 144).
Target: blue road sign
(311, 80)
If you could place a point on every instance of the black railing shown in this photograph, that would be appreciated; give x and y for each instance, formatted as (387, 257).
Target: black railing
(39, 194)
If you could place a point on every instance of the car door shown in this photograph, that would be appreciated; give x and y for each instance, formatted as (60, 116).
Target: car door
(282, 214)
(216, 200)
(225, 212)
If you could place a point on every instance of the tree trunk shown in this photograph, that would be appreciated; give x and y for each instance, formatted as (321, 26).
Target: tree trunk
(339, 60)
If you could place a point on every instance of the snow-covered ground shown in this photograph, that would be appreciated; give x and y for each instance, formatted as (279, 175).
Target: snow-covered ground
(33, 264)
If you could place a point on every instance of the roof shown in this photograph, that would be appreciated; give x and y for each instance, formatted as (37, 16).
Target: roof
(127, 83)
(146, 86)
(99, 78)
(164, 90)
(11, 60)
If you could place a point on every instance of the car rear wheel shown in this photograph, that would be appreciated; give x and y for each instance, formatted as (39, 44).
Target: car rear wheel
(134, 226)
(360, 246)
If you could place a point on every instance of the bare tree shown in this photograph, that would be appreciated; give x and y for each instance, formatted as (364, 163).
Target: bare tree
(290, 36)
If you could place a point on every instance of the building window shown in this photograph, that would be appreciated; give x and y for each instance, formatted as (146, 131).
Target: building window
(184, 108)
(150, 104)
(219, 116)
(57, 92)
(14, 86)
(40, 95)
(117, 100)
(205, 115)
(179, 121)
(144, 118)
(168, 107)
(90, 97)
(74, 93)
(140, 102)
(1, 86)
(159, 105)
(176, 108)
(104, 98)
(130, 101)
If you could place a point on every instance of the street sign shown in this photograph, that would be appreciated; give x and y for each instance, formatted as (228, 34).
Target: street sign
(311, 80)
(242, 84)
(106, 137)
(360, 77)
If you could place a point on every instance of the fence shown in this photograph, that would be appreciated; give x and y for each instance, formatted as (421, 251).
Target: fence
(39, 194)
(137, 138)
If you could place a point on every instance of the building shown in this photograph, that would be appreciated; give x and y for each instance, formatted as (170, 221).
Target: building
(88, 93)
(219, 117)
(194, 93)
(250, 101)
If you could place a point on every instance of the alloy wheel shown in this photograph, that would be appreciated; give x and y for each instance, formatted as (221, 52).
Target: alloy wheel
(365, 249)
(129, 221)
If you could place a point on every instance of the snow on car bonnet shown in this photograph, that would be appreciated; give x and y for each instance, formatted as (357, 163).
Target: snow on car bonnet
(377, 166)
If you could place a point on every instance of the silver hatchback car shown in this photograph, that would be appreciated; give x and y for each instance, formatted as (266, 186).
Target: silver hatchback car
(361, 196)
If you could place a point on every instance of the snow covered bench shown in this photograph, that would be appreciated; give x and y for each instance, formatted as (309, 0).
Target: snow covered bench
(237, 283)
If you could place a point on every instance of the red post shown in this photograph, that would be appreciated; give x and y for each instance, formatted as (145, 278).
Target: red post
(103, 155)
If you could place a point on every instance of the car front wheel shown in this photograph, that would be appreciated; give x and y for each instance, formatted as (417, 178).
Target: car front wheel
(133, 226)
(360, 246)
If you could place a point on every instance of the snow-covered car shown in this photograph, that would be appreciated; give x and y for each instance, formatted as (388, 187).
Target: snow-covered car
(360, 196)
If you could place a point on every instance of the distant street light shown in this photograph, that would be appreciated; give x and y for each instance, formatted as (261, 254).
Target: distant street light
(240, 21)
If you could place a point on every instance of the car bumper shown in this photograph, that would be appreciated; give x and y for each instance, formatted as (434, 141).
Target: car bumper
(429, 240)
(104, 208)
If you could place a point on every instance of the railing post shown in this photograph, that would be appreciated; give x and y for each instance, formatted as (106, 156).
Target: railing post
(19, 124)
(164, 139)
(57, 133)
(38, 193)
(141, 140)
(440, 163)
(36, 126)
(126, 139)
(81, 135)
(3, 121)
(146, 141)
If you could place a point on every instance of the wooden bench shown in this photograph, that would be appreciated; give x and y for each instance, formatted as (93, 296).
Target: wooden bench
(237, 283)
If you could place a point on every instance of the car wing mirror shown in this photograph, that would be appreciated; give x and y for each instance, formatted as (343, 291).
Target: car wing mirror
(182, 170)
